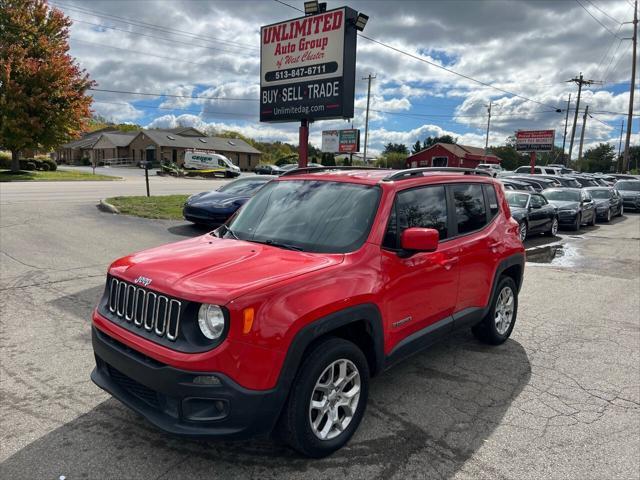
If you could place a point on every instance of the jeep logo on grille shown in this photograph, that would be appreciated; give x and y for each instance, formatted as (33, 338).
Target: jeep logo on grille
(143, 281)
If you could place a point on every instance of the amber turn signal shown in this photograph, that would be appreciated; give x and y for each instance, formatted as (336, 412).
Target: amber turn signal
(248, 320)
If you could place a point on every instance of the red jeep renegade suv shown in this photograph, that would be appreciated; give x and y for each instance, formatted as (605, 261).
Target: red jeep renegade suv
(277, 320)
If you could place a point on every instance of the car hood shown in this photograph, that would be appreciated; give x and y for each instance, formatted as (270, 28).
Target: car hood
(211, 270)
(564, 204)
(217, 198)
(628, 193)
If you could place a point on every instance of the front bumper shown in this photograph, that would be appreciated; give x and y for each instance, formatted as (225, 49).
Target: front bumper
(203, 216)
(566, 218)
(632, 202)
(171, 400)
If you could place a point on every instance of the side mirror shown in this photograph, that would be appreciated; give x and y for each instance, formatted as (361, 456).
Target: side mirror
(420, 240)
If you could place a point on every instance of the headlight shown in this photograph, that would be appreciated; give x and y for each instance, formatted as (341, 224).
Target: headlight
(569, 211)
(211, 321)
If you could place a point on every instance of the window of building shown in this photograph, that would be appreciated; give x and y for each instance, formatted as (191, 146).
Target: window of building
(471, 213)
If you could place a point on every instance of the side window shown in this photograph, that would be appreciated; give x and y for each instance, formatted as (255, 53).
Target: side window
(470, 209)
(494, 208)
(536, 201)
(424, 207)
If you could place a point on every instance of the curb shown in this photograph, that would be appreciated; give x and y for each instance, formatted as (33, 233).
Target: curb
(107, 207)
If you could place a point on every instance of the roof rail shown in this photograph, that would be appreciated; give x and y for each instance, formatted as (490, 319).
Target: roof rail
(298, 171)
(414, 172)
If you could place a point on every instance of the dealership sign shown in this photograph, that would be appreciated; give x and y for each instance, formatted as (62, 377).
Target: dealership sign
(307, 67)
(535, 140)
(341, 141)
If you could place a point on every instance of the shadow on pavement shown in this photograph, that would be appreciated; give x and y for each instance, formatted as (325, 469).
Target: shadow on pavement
(189, 230)
(426, 417)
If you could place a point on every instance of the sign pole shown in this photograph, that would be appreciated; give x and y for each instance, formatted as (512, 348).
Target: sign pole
(303, 143)
(533, 162)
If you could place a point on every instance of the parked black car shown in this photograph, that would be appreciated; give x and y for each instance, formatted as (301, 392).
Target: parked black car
(533, 213)
(585, 181)
(536, 181)
(564, 180)
(575, 206)
(511, 184)
(629, 190)
(214, 208)
(267, 169)
(608, 202)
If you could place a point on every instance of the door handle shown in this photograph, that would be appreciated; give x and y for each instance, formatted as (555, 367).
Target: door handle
(449, 262)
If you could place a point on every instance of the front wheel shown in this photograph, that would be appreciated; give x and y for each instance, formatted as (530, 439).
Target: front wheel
(523, 231)
(498, 324)
(327, 399)
(621, 212)
(592, 223)
(608, 219)
(576, 226)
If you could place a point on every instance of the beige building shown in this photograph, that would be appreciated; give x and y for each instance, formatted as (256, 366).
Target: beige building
(113, 148)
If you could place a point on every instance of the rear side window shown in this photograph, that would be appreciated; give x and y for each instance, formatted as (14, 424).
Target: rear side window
(424, 207)
(492, 199)
(471, 213)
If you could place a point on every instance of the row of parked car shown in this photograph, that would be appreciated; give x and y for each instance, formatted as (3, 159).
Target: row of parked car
(541, 203)
(555, 197)
(268, 169)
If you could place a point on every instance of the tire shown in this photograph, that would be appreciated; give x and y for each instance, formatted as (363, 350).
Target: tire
(553, 230)
(492, 330)
(576, 226)
(295, 425)
(592, 223)
(608, 217)
(621, 212)
(523, 230)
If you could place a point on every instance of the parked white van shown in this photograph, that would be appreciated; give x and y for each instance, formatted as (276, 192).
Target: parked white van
(212, 162)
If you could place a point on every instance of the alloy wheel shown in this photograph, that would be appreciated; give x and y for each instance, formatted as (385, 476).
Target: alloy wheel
(523, 231)
(504, 310)
(334, 399)
(609, 215)
(554, 227)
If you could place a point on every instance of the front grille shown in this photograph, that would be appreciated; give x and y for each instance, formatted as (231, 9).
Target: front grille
(134, 388)
(145, 308)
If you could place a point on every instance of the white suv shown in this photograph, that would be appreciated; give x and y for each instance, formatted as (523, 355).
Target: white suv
(492, 167)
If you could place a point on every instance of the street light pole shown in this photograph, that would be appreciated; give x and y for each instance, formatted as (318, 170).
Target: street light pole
(366, 121)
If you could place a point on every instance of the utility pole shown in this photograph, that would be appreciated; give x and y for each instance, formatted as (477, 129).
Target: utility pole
(625, 161)
(619, 160)
(584, 127)
(366, 121)
(566, 122)
(580, 81)
(486, 142)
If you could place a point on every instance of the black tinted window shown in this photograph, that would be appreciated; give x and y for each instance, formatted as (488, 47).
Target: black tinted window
(470, 209)
(420, 207)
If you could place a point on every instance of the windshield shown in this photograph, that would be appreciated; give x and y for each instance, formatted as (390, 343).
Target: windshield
(600, 194)
(245, 185)
(562, 195)
(631, 186)
(517, 200)
(309, 215)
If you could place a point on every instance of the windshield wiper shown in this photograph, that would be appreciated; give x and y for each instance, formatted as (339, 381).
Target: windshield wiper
(286, 246)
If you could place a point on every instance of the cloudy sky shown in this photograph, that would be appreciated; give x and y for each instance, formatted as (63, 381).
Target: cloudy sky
(174, 49)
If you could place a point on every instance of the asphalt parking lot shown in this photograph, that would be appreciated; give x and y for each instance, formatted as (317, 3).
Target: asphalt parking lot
(560, 399)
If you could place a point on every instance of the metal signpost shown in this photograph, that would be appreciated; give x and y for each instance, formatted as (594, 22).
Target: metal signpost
(533, 141)
(307, 68)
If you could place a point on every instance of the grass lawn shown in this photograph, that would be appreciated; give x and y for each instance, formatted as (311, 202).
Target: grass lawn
(57, 176)
(163, 206)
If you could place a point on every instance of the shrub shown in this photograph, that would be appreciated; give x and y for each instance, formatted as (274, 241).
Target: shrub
(86, 162)
(44, 166)
(53, 166)
(29, 166)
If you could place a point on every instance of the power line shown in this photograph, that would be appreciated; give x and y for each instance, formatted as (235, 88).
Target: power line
(591, 15)
(151, 26)
(166, 40)
(603, 12)
(433, 64)
(195, 97)
(137, 51)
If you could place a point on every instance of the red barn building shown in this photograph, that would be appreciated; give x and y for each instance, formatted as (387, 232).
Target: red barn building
(450, 155)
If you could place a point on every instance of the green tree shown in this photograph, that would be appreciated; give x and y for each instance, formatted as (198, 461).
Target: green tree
(395, 148)
(600, 158)
(442, 139)
(392, 160)
(42, 89)
(509, 158)
(416, 147)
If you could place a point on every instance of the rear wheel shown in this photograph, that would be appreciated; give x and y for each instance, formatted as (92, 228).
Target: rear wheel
(498, 324)
(327, 399)
(576, 226)
(553, 229)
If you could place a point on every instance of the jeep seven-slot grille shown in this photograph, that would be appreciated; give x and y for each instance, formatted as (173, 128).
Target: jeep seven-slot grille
(144, 308)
